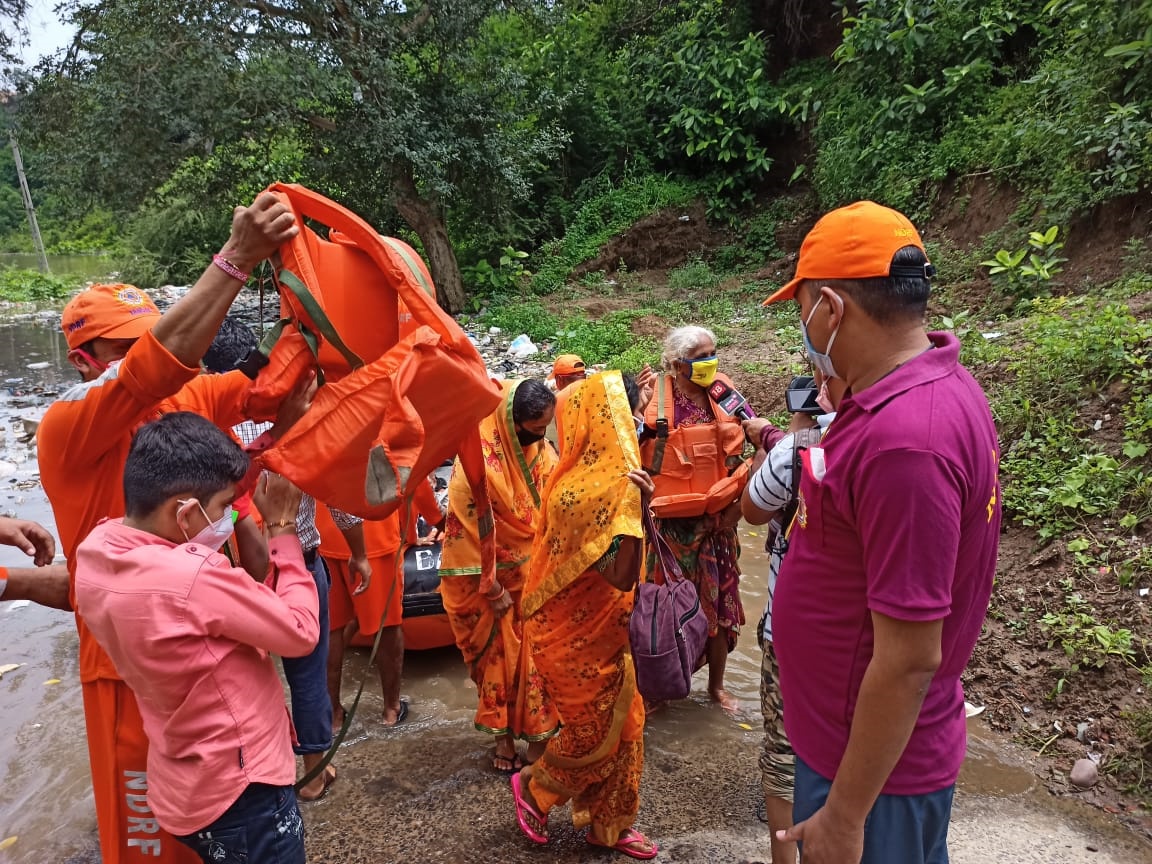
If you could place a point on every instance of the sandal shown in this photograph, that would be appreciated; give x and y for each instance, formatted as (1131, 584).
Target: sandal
(631, 843)
(329, 779)
(525, 811)
(507, 765)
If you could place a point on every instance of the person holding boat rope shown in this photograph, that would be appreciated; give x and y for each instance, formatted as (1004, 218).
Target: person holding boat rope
(134, 364)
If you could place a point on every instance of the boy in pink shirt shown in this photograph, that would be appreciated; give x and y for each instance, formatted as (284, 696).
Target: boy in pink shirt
(192, 636)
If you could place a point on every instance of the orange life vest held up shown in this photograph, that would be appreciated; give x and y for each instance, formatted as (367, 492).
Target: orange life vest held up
(697, 469)
(404, 388)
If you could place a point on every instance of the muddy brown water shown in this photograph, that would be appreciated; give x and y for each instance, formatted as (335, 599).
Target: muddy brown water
(45, 795)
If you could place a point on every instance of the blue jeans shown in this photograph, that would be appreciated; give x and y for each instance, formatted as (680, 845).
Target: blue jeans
(901, 829)
(308, 676)
(263, 826)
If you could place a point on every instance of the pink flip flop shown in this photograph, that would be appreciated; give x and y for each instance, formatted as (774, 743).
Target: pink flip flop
(626, 845)
(523, 810)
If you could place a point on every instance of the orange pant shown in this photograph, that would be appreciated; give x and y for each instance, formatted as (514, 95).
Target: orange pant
(118, 753)
(367, 609)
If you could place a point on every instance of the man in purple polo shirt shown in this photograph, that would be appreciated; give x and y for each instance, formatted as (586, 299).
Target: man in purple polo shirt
(889, 571)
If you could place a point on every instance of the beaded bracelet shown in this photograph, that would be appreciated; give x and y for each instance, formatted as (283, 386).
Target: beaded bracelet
(229, 268)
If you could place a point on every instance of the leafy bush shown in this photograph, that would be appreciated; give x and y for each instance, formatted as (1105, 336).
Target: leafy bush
(1028, 278)
(608, 209)
(508, 274)
(693, 276)
(702, 81)
(1044, 380)
(22, 285)
(528, 317)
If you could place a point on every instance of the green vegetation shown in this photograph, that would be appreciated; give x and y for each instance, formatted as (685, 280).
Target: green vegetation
(20, 285)
(609, 209)
(548, 128)
(1048, 382)
(1086, 642)
(1027, 272)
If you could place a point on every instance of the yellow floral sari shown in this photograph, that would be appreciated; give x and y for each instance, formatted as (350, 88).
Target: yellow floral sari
(576, 623)
(511, 700)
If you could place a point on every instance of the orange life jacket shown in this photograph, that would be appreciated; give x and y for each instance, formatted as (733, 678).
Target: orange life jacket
(697, 469)
(397, 400)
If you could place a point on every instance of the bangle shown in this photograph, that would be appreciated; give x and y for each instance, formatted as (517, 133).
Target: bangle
(229, 268)
(283, 523)
(497, 594)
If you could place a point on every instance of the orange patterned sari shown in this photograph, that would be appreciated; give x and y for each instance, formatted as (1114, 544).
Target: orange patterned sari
(511, 700)
(576, 623)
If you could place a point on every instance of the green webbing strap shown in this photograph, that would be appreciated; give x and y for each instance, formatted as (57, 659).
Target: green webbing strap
(400, 250)
(318, 316)
(661, 427)
(272, 336)
(398, 578)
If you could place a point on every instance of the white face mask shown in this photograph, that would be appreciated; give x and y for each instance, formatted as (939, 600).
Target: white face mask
(214, 534)
(823, 400)
(821, 360)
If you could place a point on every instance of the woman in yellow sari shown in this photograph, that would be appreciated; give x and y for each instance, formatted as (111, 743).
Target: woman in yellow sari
(486, 619)
(578, 597)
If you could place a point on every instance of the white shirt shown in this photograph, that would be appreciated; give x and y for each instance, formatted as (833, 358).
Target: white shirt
(770, 489)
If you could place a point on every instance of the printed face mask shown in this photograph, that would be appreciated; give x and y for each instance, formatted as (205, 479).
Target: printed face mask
(703, 370)
(214, 534)
(821, 361)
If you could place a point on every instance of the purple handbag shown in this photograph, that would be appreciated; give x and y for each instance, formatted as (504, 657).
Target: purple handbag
(667, 629)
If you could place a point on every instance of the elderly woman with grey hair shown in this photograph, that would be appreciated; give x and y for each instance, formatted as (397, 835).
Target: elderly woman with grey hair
(693, 451)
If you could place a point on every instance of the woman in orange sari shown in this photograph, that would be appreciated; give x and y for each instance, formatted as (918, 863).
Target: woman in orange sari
(578, 596)
(486, 621)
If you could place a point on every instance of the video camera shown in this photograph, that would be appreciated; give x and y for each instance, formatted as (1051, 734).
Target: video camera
(801, 395)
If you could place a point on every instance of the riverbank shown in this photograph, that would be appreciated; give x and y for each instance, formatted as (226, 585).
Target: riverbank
(424, 793)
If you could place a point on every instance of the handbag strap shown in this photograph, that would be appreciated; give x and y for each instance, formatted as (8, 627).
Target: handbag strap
(661, 426)
(664, 552)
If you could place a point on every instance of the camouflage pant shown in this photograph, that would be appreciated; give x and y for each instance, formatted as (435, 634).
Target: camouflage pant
(777, 762)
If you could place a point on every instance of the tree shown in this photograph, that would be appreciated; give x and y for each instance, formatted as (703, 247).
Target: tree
(400, 106)
(11, 27)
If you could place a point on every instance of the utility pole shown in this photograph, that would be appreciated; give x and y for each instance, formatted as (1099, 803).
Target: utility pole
(37, 240)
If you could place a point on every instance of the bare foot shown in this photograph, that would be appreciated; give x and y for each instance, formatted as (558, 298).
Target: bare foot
(318, 788)
(535, 751)
(726, 700)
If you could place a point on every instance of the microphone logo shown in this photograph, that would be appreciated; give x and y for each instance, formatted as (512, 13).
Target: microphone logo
(730, 401)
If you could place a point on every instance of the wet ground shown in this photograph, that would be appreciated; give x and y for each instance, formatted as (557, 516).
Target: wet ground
(424, 792)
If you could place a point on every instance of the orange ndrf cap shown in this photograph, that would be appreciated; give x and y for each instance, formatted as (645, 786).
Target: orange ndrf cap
(110, 312)
(567, 364)
(854, 242)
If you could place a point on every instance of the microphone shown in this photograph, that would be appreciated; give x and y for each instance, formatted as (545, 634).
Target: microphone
(730, 401)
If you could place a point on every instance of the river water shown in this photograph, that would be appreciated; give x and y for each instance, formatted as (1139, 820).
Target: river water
(81, 267)
(45, 796)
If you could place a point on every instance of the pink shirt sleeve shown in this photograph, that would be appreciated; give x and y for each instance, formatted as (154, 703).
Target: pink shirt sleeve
(908, 507)
(282, 619)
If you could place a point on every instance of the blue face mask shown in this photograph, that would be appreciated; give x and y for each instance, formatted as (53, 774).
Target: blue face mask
(821, 361)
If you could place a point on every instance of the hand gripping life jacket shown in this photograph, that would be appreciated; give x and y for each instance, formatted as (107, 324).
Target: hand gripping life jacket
(396, 401)
(697, 469)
